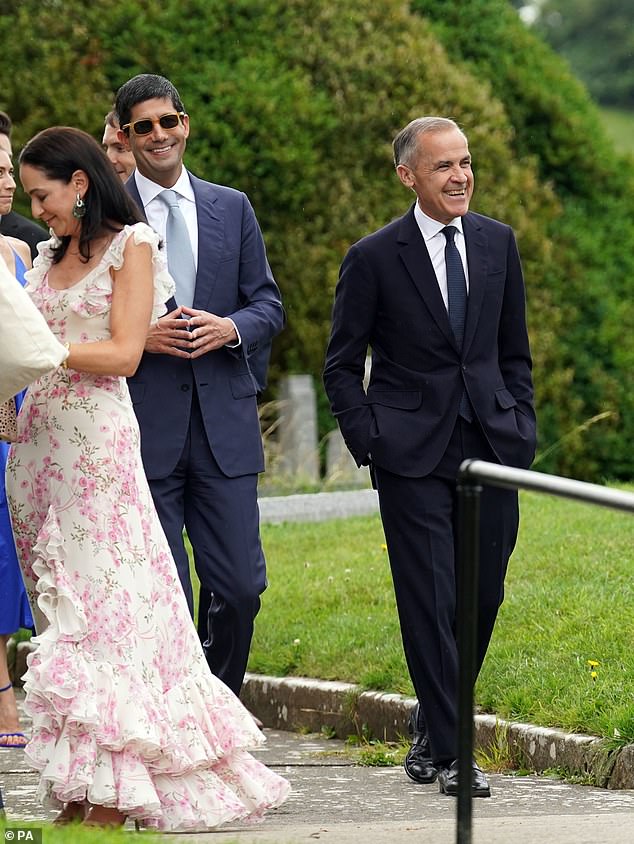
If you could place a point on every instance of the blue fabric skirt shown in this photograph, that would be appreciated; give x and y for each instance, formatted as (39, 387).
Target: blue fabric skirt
(14, 605)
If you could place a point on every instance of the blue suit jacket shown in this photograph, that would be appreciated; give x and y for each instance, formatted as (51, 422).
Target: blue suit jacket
(388, 298)
(233, 280)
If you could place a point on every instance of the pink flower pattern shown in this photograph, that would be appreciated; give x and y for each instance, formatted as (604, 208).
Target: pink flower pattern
(125, 710)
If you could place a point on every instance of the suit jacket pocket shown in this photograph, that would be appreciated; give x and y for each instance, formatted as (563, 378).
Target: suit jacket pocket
(504, 399)
(357, 425)
(399, 399)
(243, 386)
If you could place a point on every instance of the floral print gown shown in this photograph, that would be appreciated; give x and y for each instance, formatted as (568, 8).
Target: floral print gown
(125, 710)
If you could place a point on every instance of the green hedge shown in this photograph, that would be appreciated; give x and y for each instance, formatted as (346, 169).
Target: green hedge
(296, 103)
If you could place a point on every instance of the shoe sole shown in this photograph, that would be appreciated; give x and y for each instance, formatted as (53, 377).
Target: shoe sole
(474, 793)
(421, 780)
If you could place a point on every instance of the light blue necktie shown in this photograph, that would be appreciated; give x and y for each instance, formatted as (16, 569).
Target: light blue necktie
(457, 301)
(180, 258)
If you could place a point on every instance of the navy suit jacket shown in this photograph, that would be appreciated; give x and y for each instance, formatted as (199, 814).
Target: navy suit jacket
(15, 225)
(233, 280)
(388, 298)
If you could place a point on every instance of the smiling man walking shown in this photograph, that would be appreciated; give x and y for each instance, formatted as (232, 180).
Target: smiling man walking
(438, 295)
(195, 391)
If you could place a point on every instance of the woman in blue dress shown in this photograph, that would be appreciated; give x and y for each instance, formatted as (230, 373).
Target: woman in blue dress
(14, 605)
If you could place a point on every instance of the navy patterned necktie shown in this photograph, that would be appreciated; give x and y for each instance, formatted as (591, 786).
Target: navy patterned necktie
(456, 302)
(456, 285)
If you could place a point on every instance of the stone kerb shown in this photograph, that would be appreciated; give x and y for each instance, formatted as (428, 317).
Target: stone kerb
(622, 775)
(298, 703)
(543, 748)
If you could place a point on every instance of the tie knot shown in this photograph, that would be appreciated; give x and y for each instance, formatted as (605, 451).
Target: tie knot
(449, 232)
(170, 198)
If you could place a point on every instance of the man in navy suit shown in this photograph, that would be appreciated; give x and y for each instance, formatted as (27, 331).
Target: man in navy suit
(195, 390)
(437, 395)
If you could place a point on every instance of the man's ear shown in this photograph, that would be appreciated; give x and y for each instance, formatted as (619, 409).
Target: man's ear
(124, 139)
(405, 175)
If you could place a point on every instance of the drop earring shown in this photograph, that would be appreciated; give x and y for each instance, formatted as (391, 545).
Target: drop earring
(79, 208)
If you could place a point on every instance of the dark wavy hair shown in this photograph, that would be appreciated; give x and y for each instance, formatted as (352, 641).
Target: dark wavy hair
(5, 124)
(61, 150)
(145, 86)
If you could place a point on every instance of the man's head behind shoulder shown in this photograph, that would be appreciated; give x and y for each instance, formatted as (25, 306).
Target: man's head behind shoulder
(154, 126)
(120, 156)
(5, 133)
(431, 156)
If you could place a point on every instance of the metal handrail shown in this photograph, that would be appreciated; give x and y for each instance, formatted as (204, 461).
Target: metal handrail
(470, 477)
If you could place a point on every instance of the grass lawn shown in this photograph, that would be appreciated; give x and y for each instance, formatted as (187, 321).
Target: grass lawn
(73, 834)
(329, 612)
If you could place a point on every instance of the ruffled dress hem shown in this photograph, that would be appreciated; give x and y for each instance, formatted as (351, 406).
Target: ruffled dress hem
(175, 760)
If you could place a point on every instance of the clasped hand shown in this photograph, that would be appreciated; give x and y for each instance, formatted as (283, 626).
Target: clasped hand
(189, 333)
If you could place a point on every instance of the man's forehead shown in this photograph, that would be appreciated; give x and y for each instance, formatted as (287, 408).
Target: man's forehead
(448, 148)
(5, 145)
(110, 135)
(152, 108)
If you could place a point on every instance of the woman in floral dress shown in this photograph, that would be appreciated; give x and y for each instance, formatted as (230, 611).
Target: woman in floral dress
(128, 721)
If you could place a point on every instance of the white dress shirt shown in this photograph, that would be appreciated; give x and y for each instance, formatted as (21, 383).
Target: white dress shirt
(156, 209)
(435, 241)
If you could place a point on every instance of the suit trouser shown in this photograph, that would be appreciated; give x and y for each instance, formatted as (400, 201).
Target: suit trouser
(221, 517)
(419, 520)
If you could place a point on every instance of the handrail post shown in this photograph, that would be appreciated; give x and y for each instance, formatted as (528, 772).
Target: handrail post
(471, 473)
(468, 541)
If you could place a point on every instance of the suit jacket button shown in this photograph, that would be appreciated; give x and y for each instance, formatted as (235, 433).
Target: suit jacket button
(184, 387)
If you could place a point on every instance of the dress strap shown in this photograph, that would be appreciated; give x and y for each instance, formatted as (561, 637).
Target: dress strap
(20, 267)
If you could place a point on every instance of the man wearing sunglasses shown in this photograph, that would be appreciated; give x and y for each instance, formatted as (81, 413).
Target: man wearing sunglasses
(195, 391)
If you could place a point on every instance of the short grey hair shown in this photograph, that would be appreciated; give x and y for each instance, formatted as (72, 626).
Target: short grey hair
(405, 144)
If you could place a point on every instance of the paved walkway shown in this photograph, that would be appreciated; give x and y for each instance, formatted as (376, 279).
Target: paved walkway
(337, 801)
(318, 507)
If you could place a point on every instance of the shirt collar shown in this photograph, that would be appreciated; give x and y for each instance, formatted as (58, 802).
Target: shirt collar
(149, 190)
(429, 227)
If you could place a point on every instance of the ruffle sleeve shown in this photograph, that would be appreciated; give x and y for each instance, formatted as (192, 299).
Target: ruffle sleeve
(99, 294)
(41, 263)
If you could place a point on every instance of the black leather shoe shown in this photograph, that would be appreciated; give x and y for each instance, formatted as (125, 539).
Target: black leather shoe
(448, 781)
(418, 762)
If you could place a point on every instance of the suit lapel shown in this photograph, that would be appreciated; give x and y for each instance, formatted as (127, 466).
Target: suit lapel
(132, 189)
(211, 229)
(477, 248)
(416, 258)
